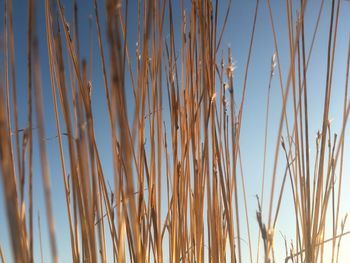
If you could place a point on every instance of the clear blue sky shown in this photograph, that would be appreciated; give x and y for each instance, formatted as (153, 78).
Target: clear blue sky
(252, 141)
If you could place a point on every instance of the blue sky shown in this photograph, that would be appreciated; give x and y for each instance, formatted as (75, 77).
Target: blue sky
(237, 36)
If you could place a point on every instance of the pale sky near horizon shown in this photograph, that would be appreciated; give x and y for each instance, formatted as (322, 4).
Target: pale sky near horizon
(236, 36)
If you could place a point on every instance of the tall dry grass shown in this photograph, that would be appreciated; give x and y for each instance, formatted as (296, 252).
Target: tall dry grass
(186, 104)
